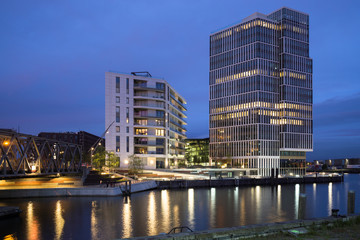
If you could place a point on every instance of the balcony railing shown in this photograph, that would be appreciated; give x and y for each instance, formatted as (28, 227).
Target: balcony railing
(148, 115)
(149, 152)
(150, 104)
(181, 104)
(144, 86)
(177, 131)
(178, 116)
(148, 95)
(150, 124)
(177, 124)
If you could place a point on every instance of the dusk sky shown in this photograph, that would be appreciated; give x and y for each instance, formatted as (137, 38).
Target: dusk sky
(54, 55)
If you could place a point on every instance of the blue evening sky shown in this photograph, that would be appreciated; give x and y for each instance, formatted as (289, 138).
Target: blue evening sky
(54, 54)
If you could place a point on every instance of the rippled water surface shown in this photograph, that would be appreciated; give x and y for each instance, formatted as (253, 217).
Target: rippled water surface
(154, 212)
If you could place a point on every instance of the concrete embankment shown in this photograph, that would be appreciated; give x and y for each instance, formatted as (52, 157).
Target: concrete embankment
(74, 192)
(249, 231)
(244, 182)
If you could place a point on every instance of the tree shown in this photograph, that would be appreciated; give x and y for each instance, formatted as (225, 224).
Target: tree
(112, 161)
(104, 158)
(136, 165)
(99, 157)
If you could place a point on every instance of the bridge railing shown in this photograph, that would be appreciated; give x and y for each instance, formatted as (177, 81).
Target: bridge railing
(22, 154)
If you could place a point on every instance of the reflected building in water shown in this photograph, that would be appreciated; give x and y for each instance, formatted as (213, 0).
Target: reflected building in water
(261, 93)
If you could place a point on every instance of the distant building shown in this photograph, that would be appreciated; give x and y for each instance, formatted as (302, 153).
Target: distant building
(261, 93)
(197, 151)
(148, 120)
(85, 139)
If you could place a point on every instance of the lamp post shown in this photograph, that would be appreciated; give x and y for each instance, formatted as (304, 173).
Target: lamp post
(98, 143)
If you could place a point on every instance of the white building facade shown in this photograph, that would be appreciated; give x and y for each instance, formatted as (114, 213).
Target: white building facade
(147, 118)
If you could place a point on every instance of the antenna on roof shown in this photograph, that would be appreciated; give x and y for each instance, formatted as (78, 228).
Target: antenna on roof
(142, 74)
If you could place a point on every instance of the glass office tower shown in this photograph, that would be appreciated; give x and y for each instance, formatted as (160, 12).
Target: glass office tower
(261, 93)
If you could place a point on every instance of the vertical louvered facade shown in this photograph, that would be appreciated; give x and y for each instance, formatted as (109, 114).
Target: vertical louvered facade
(261, 93)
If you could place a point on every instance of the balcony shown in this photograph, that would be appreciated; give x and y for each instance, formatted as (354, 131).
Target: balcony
(178, 116)
(146, 95)
(145, 87)
(177, 124)
(153, 105)
(173, 129)
(149, 124)
(177, 101)
(147, 115)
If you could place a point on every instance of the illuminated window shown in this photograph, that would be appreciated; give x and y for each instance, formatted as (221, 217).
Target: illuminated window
(140, 131)
(159, 132)
(117, 129)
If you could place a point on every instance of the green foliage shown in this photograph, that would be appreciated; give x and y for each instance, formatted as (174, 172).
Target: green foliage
(112, 161)
(99, 157)
(103, 158)
(136, 165)
(181, 163)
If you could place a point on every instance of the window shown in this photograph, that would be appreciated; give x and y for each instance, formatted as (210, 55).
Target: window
(141, 131)
(127, 144)
(127, 100)
(160, 86)
(117, 84)
(117, 128)
(160, 113)
(141, 122)
(117, 99)
(127, 129)
(117, 114)
(127, 115)
(117, 143)
(127, 86)
(159, 132)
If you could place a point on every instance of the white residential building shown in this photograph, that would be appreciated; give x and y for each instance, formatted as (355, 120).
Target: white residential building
(147, 118)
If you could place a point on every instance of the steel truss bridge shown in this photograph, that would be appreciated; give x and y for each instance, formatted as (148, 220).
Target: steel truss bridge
(22, 155)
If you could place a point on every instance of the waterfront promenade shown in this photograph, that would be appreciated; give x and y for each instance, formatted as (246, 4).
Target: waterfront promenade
(72, 187)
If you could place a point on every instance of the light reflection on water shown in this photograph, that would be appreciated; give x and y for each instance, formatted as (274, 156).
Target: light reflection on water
(59, 220)
(155, 212)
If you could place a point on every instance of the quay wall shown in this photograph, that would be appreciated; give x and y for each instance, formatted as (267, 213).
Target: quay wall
(74, 191)
(244, 182)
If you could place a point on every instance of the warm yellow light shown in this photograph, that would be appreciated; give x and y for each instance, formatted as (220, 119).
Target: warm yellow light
(126, 161)
(6, 143)
(151, 162)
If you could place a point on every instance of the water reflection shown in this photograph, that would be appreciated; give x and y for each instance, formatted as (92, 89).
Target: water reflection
(191, 206)
(165, 209)
(127, 218)
(152, 215)
(330, 197)
(33, 231)
(297, 195)
(153, 212)
(59, 220)
(94, 224)
(278, 200)
(213, 206)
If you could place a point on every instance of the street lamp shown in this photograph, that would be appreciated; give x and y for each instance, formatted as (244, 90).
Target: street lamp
(6, 143)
